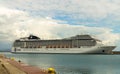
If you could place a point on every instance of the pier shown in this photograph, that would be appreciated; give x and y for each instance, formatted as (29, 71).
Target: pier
(11, 66)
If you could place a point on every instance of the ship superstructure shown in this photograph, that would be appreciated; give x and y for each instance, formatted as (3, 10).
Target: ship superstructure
(76, 44)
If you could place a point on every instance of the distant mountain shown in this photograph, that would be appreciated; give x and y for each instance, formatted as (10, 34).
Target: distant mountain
(4, 50)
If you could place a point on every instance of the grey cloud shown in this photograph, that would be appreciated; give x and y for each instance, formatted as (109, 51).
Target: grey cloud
(88, 8)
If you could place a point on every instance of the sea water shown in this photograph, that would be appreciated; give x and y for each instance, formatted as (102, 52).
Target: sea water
(72, 63)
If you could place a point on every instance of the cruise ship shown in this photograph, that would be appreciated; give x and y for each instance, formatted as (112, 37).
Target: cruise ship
(79, 44)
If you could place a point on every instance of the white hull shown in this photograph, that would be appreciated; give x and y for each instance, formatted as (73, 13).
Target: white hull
(82, 50)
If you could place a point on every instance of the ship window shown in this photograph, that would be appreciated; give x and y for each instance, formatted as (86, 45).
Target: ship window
(50, 46)
(103, 50)
(54, 46)
(66, 46)
(58, 46)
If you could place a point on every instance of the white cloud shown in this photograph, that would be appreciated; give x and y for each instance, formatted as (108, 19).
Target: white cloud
(9, 12)
(10, 20)
(16, 24)
(21, 24)
(86, 8)
(109, 38)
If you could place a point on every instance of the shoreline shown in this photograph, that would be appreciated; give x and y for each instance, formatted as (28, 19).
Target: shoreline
(11, 66)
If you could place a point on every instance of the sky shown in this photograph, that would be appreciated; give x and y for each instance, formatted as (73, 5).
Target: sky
(51, 19)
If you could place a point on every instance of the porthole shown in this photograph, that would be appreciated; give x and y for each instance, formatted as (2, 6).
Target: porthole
(103, 50)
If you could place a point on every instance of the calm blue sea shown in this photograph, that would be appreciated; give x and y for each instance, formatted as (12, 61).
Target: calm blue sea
(72, 64)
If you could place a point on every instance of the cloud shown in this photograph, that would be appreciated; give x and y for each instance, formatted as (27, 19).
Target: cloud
(9, 21)
(96, 13)
(15, 23)
(87, 8)
(20, 24)
(109, 38)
